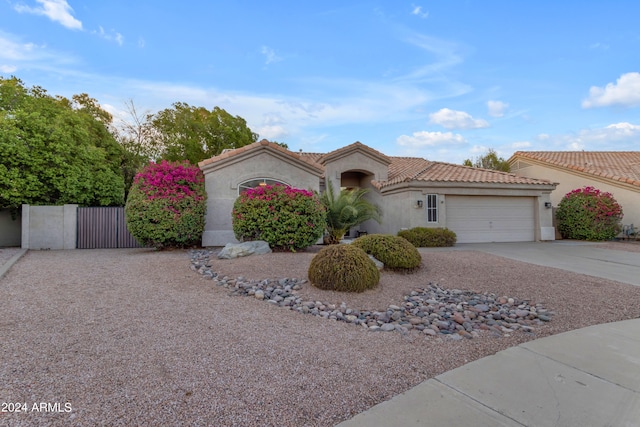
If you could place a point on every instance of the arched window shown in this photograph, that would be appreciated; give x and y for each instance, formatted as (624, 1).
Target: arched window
(253, 183)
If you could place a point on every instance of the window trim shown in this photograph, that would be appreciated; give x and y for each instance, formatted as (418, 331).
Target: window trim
(431, 208)
(266, 181)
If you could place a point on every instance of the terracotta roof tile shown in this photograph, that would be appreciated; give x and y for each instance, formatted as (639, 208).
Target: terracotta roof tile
(256, 146)
(623, 166)
(404, 169)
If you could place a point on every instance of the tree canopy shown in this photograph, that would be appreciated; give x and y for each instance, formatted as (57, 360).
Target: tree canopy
(489, 161)
(55, 151)
(195, 133)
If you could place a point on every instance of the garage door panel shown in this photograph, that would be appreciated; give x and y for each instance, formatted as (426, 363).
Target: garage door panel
(478, 219)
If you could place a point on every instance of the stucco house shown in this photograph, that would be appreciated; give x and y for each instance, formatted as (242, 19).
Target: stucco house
(617, 172)
(479, 205)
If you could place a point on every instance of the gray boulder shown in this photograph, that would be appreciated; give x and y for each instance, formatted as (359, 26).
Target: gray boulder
(379, 264)
(235, 250)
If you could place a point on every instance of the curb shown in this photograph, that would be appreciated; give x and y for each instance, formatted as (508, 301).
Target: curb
(6, 266)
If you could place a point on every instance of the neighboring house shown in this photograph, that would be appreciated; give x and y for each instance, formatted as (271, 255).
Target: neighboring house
(617, 172)
(479, 205)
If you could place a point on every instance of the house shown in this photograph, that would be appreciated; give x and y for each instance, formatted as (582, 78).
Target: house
(617, 172)
(479, 205)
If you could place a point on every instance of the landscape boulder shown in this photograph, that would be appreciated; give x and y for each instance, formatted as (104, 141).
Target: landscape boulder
(235, 250)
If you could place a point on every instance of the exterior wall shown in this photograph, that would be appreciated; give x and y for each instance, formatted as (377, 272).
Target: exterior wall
(627, 195)
(222, 183)
(10, 229)
(358, 162)
(49, 227)
(400, 207)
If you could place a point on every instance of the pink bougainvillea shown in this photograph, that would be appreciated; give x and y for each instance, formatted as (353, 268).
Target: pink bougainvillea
(589, 214)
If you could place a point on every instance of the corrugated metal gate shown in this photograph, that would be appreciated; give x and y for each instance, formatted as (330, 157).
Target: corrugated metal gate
(102, 227)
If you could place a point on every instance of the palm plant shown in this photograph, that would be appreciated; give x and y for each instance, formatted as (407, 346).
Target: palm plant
(345, 210)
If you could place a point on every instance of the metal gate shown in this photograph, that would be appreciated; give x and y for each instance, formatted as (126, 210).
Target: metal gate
(102, 227)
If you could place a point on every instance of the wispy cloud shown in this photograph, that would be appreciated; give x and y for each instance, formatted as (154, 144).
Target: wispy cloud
(613, 137)
(624, 92)
(57, 10)
(497, 108)
(417, 11)
(270, 55)
(598, 45)
(429, 139)
(451, 119)
(111, 35)
(15, 55)
(8, 69)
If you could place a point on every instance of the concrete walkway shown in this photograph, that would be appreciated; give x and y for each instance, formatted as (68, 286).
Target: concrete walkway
(578, 257)
(587, 377)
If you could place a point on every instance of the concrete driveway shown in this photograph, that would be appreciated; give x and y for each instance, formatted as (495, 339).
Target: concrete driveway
(578, 257)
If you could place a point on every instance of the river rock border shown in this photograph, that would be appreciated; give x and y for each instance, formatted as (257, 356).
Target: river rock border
(431, 310)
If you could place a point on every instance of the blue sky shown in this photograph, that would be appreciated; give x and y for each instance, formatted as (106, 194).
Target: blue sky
(443, 80)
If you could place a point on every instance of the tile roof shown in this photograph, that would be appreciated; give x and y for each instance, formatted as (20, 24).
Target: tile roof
(623, 166)
(403, 169)
(354, 147)
(257, 146)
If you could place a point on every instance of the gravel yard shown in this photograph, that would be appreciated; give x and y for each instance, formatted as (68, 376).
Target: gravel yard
(135, 337)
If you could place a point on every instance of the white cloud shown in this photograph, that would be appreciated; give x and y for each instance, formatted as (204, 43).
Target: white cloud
(451, 119)
(599, 45)
(614, 137)
(57, 10)
(625, 92)
(543, 136)
(112, 35)
(417, 10)
(518, 145)
(270, 55)
(429, 139)
(141, 42)
(8, 69)
(497, 108)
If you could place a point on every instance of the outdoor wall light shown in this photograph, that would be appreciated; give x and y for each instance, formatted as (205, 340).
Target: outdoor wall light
(547, 205)
(419, 204)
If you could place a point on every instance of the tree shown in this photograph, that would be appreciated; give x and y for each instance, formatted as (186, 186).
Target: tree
(195, 133)
(345, 210)
(52, 153)
(489, 161)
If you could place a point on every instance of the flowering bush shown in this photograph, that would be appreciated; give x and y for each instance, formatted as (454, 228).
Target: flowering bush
(166, 205)
(285, 217)
(588, 214)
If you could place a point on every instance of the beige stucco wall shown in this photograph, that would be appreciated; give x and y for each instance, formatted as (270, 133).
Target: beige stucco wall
(222, 181)
(357, 162)
(399, 206)
(627, 196)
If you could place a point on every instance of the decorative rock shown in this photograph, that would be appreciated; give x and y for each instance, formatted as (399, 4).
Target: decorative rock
(430, 310)
(235, 250)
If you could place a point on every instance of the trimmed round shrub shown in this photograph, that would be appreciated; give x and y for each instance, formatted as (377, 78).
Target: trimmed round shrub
(588, 214)
(344, 268)
(423, 237)
(395, 252)
(285, 217)
(166, 205)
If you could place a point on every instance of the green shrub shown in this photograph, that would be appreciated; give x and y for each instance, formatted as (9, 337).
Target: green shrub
(395, 252)
(344, 268)
(166, 205)
(423, 237)
(287, 218)
(588, 214)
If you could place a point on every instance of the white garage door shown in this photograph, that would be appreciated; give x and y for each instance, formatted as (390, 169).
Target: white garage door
(479, 219)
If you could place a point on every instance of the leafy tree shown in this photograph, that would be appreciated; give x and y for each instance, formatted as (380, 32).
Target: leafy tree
(589, 214)
(52, 153)
(195, 133)
(166, 205)
(345, 210)
(489, 161)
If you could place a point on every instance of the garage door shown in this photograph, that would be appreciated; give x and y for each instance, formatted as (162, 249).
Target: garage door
(479, 219)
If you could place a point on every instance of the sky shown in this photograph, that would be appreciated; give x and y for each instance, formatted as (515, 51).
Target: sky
(443, 80)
